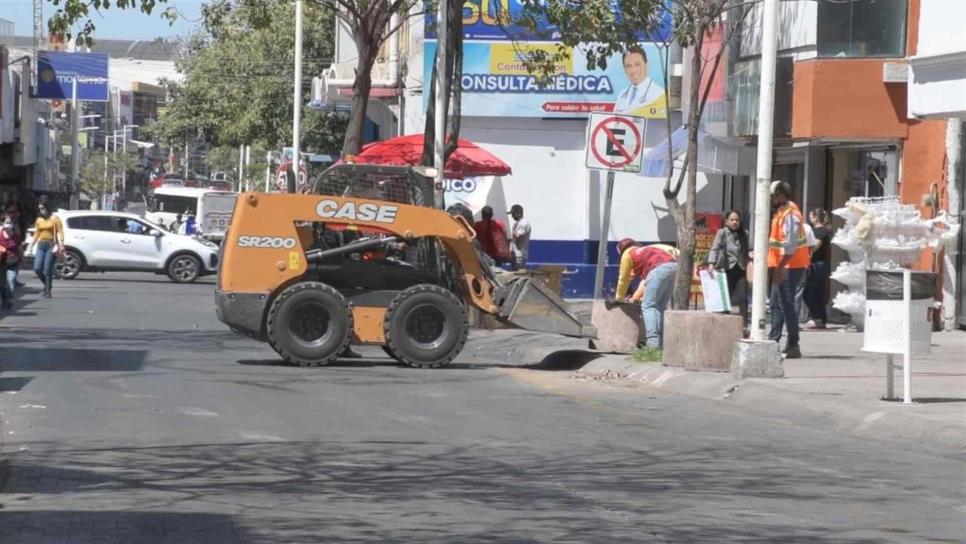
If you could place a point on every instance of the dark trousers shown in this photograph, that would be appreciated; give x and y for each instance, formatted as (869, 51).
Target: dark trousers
(816, 283)
(782, 306)
(738, 290)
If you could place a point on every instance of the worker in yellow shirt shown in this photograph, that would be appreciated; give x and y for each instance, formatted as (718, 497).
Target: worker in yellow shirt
(655, 265)
(49, 242)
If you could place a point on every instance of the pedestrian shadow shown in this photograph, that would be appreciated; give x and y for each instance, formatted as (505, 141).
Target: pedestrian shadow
(932, 400)
(37, 526)
(14, 384)
(42, 359)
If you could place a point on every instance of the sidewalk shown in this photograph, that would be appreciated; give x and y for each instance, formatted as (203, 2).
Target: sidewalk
(835, 382)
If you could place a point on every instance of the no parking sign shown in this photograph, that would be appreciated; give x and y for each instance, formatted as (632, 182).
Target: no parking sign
(615, 142)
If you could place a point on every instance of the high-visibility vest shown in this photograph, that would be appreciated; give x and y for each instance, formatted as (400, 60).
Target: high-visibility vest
(776, 240)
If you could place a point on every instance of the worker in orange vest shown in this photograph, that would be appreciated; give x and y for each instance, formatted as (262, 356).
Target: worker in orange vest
(788, 259)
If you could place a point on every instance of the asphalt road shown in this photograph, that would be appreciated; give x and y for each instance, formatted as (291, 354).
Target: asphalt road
(130, 414)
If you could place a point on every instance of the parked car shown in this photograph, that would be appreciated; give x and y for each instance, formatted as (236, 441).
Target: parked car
(100, 241)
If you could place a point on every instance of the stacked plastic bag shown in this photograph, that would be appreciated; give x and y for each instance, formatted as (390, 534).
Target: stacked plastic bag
(881, 234)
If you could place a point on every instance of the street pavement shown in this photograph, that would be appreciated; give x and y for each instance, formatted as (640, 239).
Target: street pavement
(130, 414)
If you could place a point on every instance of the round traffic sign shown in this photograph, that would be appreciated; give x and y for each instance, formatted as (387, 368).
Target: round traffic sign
(616, 142)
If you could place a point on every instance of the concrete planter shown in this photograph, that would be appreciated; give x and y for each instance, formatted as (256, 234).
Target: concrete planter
(700, 340)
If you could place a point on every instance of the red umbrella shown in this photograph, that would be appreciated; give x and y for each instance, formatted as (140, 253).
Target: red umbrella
(469, 159)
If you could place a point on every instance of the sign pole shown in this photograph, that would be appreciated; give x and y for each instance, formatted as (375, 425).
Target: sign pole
(74, 146)
(604, 237)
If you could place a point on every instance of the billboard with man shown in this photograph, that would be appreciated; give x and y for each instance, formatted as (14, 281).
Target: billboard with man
(496, 83)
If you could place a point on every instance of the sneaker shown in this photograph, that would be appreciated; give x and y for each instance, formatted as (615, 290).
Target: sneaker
(793, 352)
(815, 325)
(46, 294)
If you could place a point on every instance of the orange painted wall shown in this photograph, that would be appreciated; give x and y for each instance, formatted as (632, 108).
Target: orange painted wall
(846, 98)
(923, 163)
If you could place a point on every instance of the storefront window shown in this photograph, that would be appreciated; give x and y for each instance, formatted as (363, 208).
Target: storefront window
(862, 28)
(746, 82)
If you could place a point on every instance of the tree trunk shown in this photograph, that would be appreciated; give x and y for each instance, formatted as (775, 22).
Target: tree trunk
(360, 101)
(684, 216)
(454, 69)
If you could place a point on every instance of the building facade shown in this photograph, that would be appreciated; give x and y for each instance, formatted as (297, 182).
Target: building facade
(937, 90)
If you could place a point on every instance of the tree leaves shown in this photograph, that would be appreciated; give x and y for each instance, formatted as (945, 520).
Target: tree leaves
(238, 74)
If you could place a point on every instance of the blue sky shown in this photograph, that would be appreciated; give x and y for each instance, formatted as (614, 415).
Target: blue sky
(113, 23)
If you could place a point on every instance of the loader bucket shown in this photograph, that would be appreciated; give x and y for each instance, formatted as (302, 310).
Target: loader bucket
(530, 305)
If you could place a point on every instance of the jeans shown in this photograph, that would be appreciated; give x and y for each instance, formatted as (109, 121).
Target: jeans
(44, 260)
(8, 278)
(11, 278)
(657, 295)
(782, 305)
(815, 288)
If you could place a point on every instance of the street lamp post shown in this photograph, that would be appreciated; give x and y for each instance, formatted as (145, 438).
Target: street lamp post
(297, 93)
(124, 153)
(439, 122)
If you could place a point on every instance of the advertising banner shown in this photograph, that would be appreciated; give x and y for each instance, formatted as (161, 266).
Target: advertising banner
(57, 70)
(497, 20)
(496, 83)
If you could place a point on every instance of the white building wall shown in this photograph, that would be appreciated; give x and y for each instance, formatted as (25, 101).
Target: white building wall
(937, 86)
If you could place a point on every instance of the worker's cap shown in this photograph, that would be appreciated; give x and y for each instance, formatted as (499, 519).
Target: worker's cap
(624, 244)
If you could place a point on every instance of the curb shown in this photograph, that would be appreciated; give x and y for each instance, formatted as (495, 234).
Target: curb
(863, 417)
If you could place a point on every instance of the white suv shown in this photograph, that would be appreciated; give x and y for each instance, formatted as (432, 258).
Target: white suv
(102, 241)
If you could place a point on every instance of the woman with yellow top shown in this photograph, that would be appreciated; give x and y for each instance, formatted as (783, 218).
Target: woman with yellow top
(49, 241)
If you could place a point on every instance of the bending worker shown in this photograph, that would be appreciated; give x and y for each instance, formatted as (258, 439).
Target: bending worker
(655, 265)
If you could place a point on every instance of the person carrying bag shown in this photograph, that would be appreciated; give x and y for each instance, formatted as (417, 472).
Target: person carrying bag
(729, 255)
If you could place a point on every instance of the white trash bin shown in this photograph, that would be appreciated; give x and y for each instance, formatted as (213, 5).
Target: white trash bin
(897, 318)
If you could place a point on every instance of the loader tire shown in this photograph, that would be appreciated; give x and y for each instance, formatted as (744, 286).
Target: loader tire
(425, 326)
(309, 324)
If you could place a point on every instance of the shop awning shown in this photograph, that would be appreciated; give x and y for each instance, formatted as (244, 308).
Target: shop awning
(715, 156)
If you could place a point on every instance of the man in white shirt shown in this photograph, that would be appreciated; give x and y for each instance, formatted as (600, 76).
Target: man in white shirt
(643, 97)
(520, 236)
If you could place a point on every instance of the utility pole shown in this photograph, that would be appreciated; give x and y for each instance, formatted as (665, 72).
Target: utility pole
(124, 154)
(268, 171)
(297, 103)
(766, 116)
(241, 168)
(248, 161)
(442, 92)
(74, 145)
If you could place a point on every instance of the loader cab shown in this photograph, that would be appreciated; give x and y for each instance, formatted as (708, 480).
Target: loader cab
(402, 184)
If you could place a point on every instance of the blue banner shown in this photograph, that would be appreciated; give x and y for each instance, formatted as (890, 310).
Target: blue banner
(495, 20)
(57, 70)
(496, 82)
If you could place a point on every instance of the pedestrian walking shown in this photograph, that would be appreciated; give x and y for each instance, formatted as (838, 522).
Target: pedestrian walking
(729, 255)
(787, 260)
(816, 282)
(492, 236)
(655, 265)
(19, 228)
(9, 261)
(520, 236)
(48, 242)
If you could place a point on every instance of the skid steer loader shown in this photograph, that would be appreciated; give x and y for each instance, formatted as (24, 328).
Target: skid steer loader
(361, 261)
